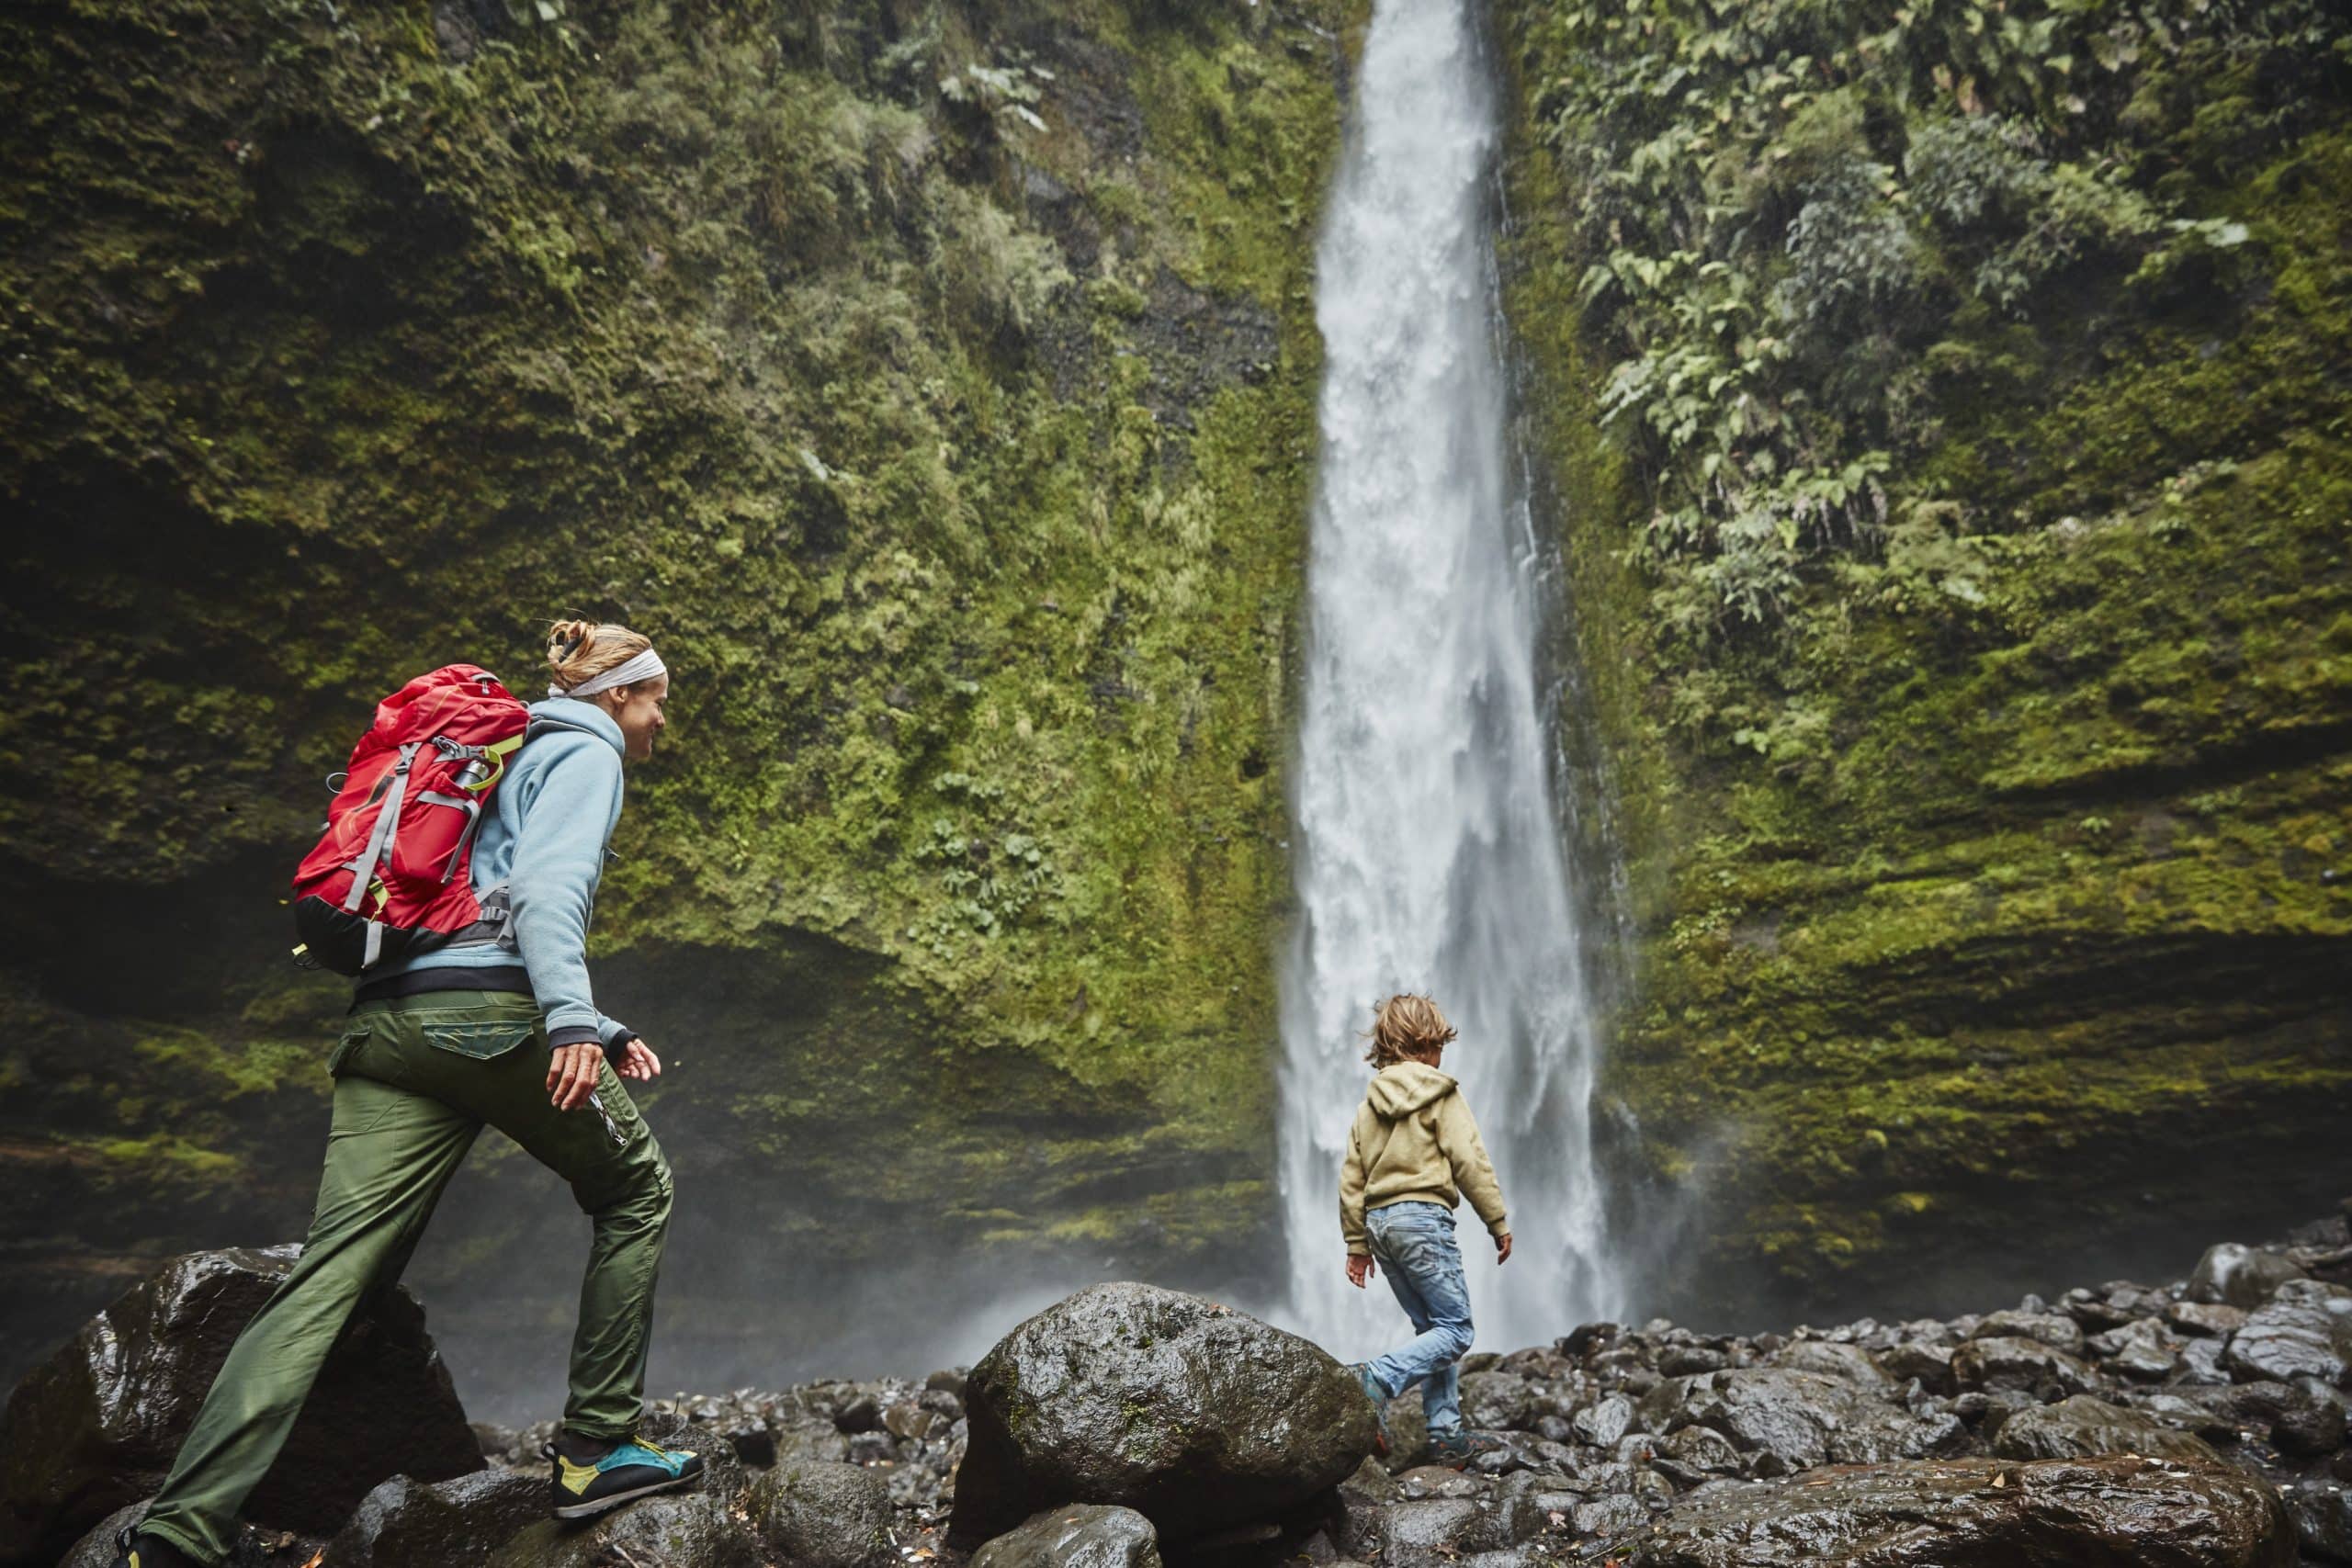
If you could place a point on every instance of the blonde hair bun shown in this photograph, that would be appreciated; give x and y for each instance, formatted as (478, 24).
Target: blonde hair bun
(582, 651)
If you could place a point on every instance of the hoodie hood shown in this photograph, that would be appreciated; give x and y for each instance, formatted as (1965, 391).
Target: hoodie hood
(576, 713)
(1402, 1087)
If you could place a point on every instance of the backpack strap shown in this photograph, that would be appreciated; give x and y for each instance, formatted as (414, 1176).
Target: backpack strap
(380, 840)
(496, 924)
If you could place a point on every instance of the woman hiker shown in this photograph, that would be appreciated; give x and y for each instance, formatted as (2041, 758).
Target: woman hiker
(498, 1030)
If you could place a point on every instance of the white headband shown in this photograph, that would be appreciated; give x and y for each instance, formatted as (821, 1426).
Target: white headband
(628, 672)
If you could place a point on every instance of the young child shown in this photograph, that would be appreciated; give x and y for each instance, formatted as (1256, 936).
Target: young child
(1414, 1147)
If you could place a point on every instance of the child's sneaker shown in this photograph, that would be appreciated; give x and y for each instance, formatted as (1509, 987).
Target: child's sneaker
(1379, 1397)
(632, 1470)
(1457, 1448)
(133, 1550)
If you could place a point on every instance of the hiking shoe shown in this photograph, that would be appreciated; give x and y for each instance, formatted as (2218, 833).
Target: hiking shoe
(1457, 1448)
(632, 1470)
(1379, 1397)
(133, 1550)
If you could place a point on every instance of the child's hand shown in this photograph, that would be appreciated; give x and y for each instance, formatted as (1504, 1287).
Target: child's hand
(1360, 1269)
(1502, 1249)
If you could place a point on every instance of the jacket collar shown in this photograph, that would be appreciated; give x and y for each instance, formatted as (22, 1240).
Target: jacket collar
(573, 713)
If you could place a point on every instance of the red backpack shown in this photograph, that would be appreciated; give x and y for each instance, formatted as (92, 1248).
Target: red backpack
(392, 874)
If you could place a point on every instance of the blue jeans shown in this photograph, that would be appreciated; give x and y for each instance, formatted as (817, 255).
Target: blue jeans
(1414, 1244)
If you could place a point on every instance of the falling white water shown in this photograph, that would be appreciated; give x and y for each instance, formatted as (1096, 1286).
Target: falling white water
(1429, 851)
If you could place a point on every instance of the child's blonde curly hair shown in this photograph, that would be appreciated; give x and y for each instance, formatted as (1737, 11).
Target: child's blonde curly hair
(1404, 1027)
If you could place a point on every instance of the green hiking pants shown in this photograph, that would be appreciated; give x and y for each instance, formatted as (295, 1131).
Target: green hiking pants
(415, 1080)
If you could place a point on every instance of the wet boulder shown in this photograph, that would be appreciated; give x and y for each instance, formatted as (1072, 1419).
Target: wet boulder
(2239, 1276)
(1790, 1420)
(1197, 1417)
(2140, 1350)
(2052, 1328)
(96, 1425)
(2083, 1427)
(1683, 1360)
(1360, 1518)
(2303, 1331)
(1829, 1358)
(1470, 1519)
(2305, 1418)
(1610, 1516)
(1702, 1450)
(680, 1529)
(1077, 1535)
(407, 1523)
(1602, 1423)
(815, 1514)
(2205, 1317)
(1982, 1514)
(2019, 1365)
(1926, 1359)
(1495, 1401)
(2323, 1514)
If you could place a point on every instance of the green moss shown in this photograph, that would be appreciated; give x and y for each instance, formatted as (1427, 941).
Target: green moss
(956, 462)
(2008, 870)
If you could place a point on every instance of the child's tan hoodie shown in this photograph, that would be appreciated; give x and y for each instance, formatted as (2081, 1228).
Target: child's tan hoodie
(1414, 1141)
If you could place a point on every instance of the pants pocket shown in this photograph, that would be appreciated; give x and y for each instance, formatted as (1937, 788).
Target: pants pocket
(354, 1037)
(480, 1039)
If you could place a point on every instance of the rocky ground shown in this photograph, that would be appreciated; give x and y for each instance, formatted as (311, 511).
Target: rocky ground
(2199, 1421)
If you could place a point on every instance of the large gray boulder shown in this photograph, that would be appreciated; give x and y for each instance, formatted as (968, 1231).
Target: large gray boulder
(407, 1523)
(96, 1425)
(2053, 1329)
(1982, 1514)
(1197, 1417)
(1850, 1363)
(2017, 1365)
(2322, 1514)
(1076, 1535)
(1792, 1420)
(2082, 1427)
(2140, 1350)
(680, 1529)
(819, 1514)
(2303, 1331)
(2304, 1419)
(1449, 1530)
(2239, 1276)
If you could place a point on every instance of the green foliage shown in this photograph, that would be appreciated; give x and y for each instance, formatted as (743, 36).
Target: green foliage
(1784, 205)
(1985, 813)
(854, 352)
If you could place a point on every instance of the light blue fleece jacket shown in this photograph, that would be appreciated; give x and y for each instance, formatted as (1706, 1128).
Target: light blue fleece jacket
(551, 817)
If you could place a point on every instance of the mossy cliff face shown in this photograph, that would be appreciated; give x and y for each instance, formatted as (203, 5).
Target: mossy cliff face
(933, 382)
(1943, 409)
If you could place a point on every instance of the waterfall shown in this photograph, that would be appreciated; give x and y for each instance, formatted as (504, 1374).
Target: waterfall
(1428, 845)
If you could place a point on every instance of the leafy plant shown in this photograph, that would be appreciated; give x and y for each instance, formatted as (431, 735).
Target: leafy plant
(1784, 205)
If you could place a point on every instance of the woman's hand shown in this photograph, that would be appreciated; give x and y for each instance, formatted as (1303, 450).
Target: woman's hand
(573, 1072)
(1360, 1269)
(639, 1062)
(1502, 1249)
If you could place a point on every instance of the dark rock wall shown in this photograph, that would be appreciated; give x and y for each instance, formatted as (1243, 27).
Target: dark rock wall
(1942, 418)
(932, 382)
(1942, 410)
